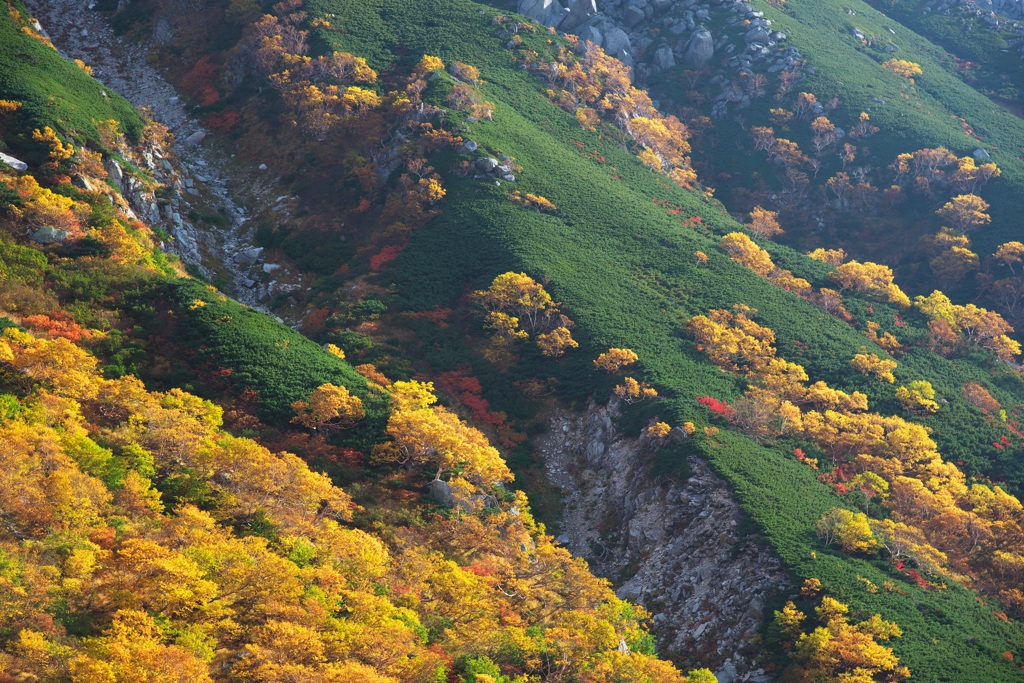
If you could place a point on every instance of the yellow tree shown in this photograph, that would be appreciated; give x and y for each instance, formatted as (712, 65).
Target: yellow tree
(328, 408)
(871, 364)
(1010, 253)
(520, 295)
(966, 212)
(555, 342)
(632, 391)
(849, 529)
(743, 250)
(425, 436)
(732, 340)
(428, 64)
(918, 397)
(132, 649)
(953, 264)
(870, 278)
(833, 257)
(904, 68)
(764, 223)
(613, 360)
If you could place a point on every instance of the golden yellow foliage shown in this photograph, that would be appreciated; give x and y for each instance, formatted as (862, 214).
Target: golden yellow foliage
(613, 360)
(871, 364)
(902, 67)
(328, 408)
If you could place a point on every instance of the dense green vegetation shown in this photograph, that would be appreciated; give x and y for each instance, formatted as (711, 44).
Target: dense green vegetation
(618, 251)
(56, 93)
(624, 267)
(258, 353)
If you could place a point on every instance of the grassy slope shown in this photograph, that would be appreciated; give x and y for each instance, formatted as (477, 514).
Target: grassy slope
(56, 93)
(279, 364)
(625, 269)
(821, 29)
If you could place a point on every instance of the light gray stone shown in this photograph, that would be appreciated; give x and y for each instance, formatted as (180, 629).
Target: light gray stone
(16, 164)
(633, 16)
(486, 165)
(701, 49)
(615, 40)
(579, 12)
(196, 137)
(664, 59)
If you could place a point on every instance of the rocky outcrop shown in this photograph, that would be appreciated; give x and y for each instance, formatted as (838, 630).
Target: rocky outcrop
(677, 547)
(654, 36)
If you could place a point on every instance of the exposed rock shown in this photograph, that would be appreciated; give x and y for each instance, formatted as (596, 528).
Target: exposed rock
(615, 41)
(441, 491)
(81, 182)
(757, 35)
(981, 155)
(664, 59)
(196, 138)
(486, 165)
(16, 164)
(579, 12)
(632, 16)
(675, 542)
(592, 34)
(250, 256)
(548, 12)
(162, 32)
(470, 146)
(701, 49)
(48, 235)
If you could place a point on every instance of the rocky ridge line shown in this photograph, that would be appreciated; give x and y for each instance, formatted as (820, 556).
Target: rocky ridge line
(676, 545)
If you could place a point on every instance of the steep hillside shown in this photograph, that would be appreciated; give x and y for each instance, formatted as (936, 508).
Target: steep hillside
(150, 533)
(439, 148)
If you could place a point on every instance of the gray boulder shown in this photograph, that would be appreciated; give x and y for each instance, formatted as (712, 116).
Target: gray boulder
(486, 165)
(162, 32)
(758, 34)
(81, 182)
(981, 155)
(664, 59)
(48, 235)
(579, 12)
(592, 34)
(548, 12)
(16, 164)
(632, 16)
(248, 257)
(441, 491)
(701, 49)
(196, 137)
(616, 40)
(114, 170)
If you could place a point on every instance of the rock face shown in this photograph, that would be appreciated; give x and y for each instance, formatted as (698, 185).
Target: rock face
(677, 544)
